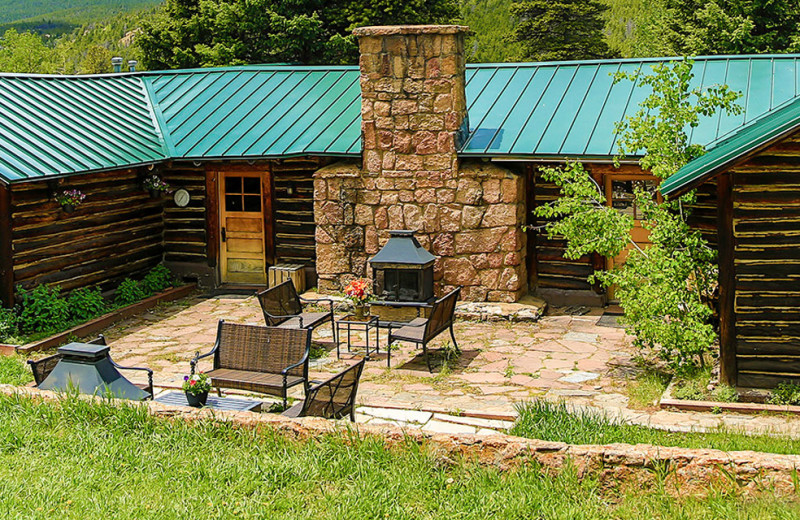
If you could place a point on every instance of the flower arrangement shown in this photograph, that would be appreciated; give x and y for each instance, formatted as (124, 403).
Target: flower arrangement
(155, 183)
(196, 383)
(70, 197)
(358, 291)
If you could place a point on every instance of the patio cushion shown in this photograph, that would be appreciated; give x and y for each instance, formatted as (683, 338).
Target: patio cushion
(410, 333)
(248, 380)
(310, 320)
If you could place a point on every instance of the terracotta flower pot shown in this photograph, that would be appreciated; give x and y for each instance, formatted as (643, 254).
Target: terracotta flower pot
(197, 400)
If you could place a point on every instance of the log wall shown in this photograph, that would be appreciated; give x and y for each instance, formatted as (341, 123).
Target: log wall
(293, 211)
(116, 232)
(185, 232)
(766, 236)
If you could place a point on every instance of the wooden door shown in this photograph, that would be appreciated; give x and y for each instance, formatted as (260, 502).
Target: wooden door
(243, 238)
(619, 191)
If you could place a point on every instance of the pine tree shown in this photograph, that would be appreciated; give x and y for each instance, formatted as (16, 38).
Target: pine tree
(560, 29)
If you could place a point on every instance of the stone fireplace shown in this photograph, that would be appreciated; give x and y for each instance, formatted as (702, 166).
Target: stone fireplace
(414, 117)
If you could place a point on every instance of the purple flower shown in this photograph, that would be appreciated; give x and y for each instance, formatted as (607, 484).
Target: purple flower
(185, 378)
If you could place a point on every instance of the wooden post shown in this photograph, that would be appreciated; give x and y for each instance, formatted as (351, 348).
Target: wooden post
(727, 281)
(268, 206)
(212, 217)
(6, 254)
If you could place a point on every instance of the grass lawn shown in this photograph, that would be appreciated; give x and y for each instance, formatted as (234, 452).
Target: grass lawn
(556, 422)
(76, 459)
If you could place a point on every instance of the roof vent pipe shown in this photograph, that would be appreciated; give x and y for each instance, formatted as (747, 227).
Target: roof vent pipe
(116, 61)
(132, 65)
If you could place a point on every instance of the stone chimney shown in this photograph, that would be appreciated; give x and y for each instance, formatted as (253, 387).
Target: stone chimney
(413, 105)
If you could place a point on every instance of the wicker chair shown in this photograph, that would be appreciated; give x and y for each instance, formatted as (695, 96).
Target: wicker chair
(331, 399)
(269, 360)
(421, 330)
(41, 368)
(283, 307)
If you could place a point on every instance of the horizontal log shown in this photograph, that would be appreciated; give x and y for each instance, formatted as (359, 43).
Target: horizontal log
(765, 380)
(767, 348)
(551, 282)
(565, 269)
(180, 256)
(774, 364)
(774, 300)
(775, 267)
(185, 247)
(767, 329)
(185, 235)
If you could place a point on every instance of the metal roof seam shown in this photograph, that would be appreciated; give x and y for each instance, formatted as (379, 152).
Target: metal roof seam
(201, 106)
(489, 111)
(534, 106)
(578, 111)
(510, 111)
(600, 113)
(236, 141)
(281, 117)
(310, 125)
(342, 112)
(555, 111)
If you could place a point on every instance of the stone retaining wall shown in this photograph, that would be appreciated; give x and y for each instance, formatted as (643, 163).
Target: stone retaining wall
(682, 471)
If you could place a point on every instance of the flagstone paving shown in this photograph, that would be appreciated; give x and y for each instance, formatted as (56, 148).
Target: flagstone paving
(560, 357)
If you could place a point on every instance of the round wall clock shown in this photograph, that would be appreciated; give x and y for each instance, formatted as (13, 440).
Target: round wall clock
(181, 198)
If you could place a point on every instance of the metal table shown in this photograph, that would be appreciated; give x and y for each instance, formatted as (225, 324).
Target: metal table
(366, 324)
(231, 404)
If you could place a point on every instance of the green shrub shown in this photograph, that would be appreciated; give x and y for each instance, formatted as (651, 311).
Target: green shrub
(86, 303)
(158, 279)
(14, 371)
(128, 292)
(726, 394)
(785, 393)
(43, 310)
(8, 324)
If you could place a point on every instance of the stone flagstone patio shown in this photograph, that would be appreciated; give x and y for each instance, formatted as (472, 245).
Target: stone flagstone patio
(559, 357)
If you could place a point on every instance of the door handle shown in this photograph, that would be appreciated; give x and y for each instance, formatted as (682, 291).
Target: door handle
(224, 237)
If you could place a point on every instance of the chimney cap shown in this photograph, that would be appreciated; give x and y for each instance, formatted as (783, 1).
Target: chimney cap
(116, 60)
(390, 30)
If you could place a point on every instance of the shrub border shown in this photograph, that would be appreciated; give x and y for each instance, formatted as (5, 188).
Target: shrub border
(667, 401)
(100, 322)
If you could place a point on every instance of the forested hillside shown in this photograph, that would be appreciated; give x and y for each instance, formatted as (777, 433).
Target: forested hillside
(77, 12)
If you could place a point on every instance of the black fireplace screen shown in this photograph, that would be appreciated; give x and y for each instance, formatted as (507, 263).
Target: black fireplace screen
(402, 271)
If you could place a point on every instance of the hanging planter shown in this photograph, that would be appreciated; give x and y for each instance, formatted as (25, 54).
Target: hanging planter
(70, 199)
(156, 186)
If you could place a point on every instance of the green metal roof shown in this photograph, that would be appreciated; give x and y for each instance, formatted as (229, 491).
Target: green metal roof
(568, 109)
(267, 111)
(60, 125)
(57, 125)
(740, 143)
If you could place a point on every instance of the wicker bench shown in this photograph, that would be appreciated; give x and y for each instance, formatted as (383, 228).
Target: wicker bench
(268, 360)
(283, 307)
(42, 367)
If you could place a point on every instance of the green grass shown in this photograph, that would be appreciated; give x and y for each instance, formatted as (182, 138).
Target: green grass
(645, 391)
(14, 371)
(77, 459)
(556, 422)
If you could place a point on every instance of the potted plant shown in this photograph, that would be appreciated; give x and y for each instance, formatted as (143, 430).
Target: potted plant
(70, 199)
(196, 387)
(359, 293)
(156, 186)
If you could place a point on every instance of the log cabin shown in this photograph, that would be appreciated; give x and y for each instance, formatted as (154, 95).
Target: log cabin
(313, 166)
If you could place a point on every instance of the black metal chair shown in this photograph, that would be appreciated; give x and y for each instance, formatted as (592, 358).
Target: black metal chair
(331, 399)
(283, 308)
(421, 330)
(41, 368)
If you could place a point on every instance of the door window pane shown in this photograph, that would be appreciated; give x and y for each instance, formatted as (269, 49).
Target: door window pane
(622, 196)
(252, 185)
(252, 202)
(233, 184)
(233, 203)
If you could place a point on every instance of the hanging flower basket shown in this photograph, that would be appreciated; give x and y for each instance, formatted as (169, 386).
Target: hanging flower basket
(156, 186)
(70, 199)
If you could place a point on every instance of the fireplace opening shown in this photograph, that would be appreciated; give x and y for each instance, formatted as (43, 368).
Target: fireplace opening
(403, 270)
